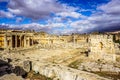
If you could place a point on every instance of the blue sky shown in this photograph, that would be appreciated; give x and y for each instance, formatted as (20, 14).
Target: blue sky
(61, 16)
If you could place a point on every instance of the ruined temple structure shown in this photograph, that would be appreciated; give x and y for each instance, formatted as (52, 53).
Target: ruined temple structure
(44, 38)
(80, 38)
(14, 39)
(17, 39)
(102, 43)
(104, 46)
(95, 43)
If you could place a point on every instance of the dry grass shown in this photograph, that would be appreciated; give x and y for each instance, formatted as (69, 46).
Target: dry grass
(112, 75)
(33, 76)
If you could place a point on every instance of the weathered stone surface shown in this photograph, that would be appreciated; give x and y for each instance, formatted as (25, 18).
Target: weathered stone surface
(102, 47)
(27, 65)
(65, 73)
(97, 66)
(11, 77)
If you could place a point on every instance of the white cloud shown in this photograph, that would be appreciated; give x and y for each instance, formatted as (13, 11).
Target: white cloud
(19, 19)
(63, 31)
(107, 19)
(113, 7)
(103, 22)
(36, 26)
(6, 14)
(70, 14)
(83, 26)
(57, 19)
(56, 25)
(37, 9)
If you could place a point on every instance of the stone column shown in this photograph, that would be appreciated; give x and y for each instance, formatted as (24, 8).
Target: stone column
(11, 42)
(48, 41)
(32, 41)
(15, 41)
(24, 41)
(20, 41)
(28, 42)
(5, 41)
(74, 41)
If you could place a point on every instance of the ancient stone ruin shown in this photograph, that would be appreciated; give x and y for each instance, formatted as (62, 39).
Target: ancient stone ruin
(63, 57)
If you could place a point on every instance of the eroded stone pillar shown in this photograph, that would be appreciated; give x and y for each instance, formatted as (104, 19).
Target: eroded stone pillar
(20, 41)
(24, 41)
(74, 42)
(5, 41)
(15, 41)
(28, 42)
(11, 42)
(32, 41)
(48, 41)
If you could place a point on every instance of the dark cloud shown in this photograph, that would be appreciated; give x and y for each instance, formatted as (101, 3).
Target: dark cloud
(35, 9)
(4, 0)
(113, 7)
(107, 19)
(110, 18)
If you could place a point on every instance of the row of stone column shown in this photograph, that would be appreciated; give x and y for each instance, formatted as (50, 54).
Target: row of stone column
(17, 41)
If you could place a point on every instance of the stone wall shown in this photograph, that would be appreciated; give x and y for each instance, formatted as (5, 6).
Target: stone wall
(1, 41)
(102, 47)
(10, 40)
(101, 44)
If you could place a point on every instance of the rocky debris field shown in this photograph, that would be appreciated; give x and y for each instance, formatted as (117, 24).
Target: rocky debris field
(59, 72)
(56, 64)
(109, 70)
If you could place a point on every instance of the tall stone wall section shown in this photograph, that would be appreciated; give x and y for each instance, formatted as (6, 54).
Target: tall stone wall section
(102, 47)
